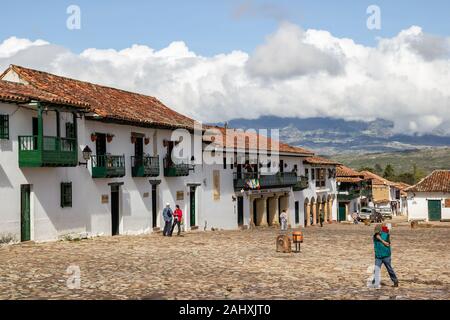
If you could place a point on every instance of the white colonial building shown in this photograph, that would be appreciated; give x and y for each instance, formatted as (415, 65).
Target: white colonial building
(79, 158)
(429, 200)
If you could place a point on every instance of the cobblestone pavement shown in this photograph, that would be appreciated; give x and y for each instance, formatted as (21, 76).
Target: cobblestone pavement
(229, 265)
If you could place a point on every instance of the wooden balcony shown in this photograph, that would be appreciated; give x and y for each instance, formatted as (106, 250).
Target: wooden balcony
(348, 195)
(51, 152)
(145, 166)
(302, 184)
(252, 181)
(108, 166)
(172, 169)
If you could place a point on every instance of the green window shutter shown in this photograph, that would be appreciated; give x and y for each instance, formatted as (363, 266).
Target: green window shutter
(66, 195)
(4, 126)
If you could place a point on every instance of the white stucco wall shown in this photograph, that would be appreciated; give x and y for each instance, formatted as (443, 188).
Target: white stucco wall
(89, 215)
(418, 205)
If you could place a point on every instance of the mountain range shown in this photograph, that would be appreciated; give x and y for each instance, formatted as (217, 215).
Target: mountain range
(328, 136)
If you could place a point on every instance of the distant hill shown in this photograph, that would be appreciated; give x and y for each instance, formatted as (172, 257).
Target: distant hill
(329, 136)
(426, 159)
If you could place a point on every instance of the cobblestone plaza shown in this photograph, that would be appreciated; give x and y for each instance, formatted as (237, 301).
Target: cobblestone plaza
(333, 264)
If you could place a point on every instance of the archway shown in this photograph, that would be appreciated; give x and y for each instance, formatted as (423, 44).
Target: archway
(307, 212)
(318, 210)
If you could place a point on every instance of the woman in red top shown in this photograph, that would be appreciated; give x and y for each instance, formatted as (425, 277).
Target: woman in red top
(178, 215)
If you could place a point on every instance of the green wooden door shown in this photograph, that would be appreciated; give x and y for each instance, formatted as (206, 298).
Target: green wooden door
(192, 208)
(115, 210)
(342, 212)
(297, 212)
(240, 203)
(434, 210)
(25, 220)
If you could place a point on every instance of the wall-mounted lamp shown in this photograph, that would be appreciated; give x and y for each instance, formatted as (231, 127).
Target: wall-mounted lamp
(87, 152)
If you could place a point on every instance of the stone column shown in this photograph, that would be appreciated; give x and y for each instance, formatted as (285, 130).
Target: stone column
(308, 214)
(314, 213)
(261, 212)
(273, 211)
(330, 211)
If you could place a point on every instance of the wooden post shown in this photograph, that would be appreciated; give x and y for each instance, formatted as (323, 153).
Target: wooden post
(314, 211)
(308, 214)
(40, 128)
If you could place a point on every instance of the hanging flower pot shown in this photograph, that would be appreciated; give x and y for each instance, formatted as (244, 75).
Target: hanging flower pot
(93, 137)
(147, 141)
(109, 137)
(133, 139)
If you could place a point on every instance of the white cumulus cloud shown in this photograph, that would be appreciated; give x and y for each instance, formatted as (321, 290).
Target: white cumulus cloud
(294, 73)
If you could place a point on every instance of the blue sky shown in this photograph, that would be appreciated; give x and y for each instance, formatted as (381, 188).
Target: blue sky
(210, 27)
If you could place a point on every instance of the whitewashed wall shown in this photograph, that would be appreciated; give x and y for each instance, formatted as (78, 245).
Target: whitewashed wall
(88, 214)
(418, 206)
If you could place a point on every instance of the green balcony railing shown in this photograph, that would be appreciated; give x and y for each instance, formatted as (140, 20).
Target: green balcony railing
(175, 169)
(108, 166)
(348, 195)
(254, 180)
(366, 193)
(53, 152)
(302, 184)
(145, 166)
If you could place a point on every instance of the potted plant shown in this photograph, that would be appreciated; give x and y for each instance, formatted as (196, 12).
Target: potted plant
(146, 141)
(109, 137)
(133, 139)
(93, 137)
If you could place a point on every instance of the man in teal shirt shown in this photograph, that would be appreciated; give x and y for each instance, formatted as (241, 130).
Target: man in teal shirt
(382, 246)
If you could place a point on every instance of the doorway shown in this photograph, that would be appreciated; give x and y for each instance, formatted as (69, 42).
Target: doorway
(100, 148)
(115, 210)
(434, 210)
(342, 212)
(25, 212)
(154, 206)
(35, 129)
(192, 206)
(240, 209)
(139, 152)
(297, 212)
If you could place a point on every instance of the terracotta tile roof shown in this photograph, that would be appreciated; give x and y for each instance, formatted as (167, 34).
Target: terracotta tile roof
(315, 160)
(438, 181)
(402, 186)
(250, 141)
(16, 92)
(349, 179)
(376, 179)
(110, 103)
(343, 171)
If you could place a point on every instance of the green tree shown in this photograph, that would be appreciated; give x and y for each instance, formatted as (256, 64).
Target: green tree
(418, 174)
(370, 169)
(389, 172)
(378, 169)
(406, 177)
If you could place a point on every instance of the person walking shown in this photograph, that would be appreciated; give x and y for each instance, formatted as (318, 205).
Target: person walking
(167, 216)
(382, 247)
(284, 220)
(177, 216)
(322, 217)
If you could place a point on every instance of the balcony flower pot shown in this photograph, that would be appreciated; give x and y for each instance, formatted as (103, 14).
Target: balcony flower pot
(109, 137)
(147, 141)
(133, 139)
(93, 137)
